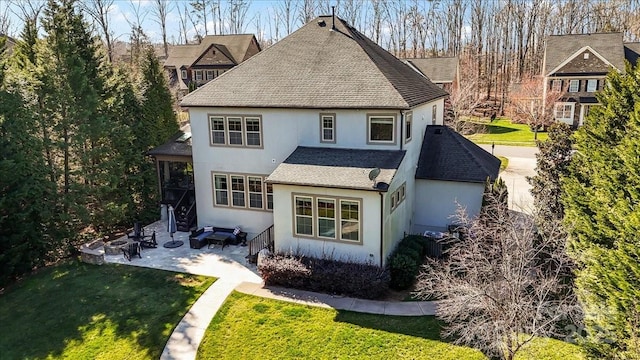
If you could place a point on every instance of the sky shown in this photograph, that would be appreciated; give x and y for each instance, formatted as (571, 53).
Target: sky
(122, 12)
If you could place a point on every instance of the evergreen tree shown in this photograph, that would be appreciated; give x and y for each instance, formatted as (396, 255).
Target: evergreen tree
(552, 162)
(25, 192)
(602, 213)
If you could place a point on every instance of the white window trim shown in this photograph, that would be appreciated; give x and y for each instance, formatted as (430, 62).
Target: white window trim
(243, 191)
(573, 89)
(563, 104)
(391, 117)
(239, 119)
(323, 128)
(434, 114)
(247, 131)
(207, 77)
(212, 131)
(338, 218)
(247, 197)
(268, 193)
(593, 88)
(184, 74)
(556, 85)
(198, 75)
(261, 192)
(296, 215)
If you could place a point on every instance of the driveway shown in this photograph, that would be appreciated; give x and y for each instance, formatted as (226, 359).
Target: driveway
(522, 163)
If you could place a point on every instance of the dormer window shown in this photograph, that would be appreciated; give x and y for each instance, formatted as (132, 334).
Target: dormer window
(183, 74)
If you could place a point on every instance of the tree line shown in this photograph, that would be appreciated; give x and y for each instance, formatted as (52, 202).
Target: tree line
(74, 129)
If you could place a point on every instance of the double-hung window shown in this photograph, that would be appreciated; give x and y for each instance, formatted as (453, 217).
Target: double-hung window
(574, 85)
(209, 74)
(198, 75)
(255, 192)
(327, 128)
(236, 130)
(381, 129)
(221, 190)
(237, 191)
(326, 218)
(269, 196)
(408, 122)
(592, 85)
(304, 215)
(218, 133)
(564, 111)
(349, 220)
(254, 135)
(556, 85)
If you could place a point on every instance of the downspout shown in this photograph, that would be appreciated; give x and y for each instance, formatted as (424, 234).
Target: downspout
(381, 228)
(401, 129)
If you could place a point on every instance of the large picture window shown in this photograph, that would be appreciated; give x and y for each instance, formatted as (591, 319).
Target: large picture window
(381, 129)
(242, 191)
(236, 130)
(327, 218)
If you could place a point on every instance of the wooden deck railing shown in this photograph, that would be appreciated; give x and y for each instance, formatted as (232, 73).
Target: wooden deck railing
(264, 240)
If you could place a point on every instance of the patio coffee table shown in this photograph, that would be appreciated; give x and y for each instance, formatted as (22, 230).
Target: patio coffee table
(217, 239)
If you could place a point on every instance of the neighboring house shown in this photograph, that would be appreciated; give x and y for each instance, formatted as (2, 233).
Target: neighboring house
(318, 138)
(197, 64)
(9, 42)
(442, 71)
(578, 65)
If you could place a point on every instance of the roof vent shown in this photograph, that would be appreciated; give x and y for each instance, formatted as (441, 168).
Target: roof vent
(586, 55)
(321, 23)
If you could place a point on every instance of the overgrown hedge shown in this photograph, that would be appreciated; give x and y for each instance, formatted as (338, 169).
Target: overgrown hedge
(325, 275)
(405, 261)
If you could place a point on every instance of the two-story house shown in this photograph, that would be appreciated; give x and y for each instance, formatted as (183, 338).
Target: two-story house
(197, 64)
(577, 65)
(334, 144)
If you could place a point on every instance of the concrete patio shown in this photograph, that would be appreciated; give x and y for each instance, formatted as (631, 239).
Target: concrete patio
(214, 261)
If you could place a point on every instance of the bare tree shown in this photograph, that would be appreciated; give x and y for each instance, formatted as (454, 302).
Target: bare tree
(28, 10)
(306, 11)
(160, 11)
(200, 8)
(285, 18)
(502, 284)
(5, 19)
(461, 104)
(183, 18)
(530, 104)
(99, 12)
(237, 12)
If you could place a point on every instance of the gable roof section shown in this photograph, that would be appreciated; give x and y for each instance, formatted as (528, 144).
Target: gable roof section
(561, 48)
(318, 67)
(235, 47)
(449, 156)
(632, 52)
(337, 168)
(222, 56)
(437, 69)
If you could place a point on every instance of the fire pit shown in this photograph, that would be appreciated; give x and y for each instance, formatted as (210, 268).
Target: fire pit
(115, 247)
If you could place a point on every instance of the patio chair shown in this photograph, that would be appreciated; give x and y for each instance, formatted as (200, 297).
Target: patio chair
(131, 250)
(151, 243)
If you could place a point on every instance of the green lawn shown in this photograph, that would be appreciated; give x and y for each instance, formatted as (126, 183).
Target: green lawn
(502, 132)
(248, 327)
(81, 311)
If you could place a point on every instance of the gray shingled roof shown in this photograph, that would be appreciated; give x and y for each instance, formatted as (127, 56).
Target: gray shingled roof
(560, 47)
(317, 67)
(337, 168)
(632, 52)
(234, 45)
(447, 155)
(438, 70)
(173, 147)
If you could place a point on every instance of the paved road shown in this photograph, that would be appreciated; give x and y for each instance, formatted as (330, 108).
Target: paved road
(527, 152)
(522, 163)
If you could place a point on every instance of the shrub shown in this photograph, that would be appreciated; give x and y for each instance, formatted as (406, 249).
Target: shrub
(403, 271)
(325, 275)
(285, 271)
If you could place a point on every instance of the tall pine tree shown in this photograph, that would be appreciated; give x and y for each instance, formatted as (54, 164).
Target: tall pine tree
(602, 214)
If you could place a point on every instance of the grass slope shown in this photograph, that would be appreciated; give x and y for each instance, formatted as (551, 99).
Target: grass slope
(503, 132)
(249, 327)
(81, 311)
